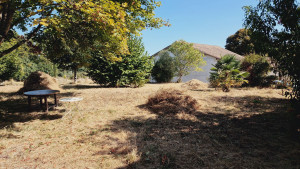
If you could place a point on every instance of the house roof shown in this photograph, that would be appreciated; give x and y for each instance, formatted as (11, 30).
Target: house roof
(215, 51)
(210, 50)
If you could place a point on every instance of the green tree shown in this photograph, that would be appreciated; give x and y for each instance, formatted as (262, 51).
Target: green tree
(240, 42)
(133, 70)
(258, 67)
(186, 59)
(226, 73)
(164, 68)
(276, 25)
(114, 18)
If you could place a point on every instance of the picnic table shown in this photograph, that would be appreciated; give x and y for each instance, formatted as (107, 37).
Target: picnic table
(42, 94)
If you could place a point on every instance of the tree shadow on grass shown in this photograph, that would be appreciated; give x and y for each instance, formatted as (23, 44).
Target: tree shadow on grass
(214, 140)
(14, 108)
(254, 103)
(204, 90)
(91, 86)
(74, 86)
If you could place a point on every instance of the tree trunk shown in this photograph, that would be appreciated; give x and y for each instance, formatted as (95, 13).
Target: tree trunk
(75, 75)
(6, 18)
(179, 79)
(180, 74)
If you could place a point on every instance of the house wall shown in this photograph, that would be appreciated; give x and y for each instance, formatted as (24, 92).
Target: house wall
(201, 75)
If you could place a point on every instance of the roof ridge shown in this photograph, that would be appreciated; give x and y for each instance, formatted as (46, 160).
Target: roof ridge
(210, 50)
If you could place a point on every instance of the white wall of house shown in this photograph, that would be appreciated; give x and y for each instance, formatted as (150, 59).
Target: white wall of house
(201, 75)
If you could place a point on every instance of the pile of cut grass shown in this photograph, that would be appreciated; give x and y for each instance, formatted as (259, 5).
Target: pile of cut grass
(171, 101)
(194, 84)
(39, 81)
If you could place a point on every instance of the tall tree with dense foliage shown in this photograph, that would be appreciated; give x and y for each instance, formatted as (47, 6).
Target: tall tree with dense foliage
(186, 59)
(133, 70)
(164, 68)
(113, 18)
(240, 42)
(276, 25)
(226, 73)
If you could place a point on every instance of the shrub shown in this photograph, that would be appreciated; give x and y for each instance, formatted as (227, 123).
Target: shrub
(133, 70)
(164, 68)
(226, 73)
(268, 80)
(31, 63)
(9, 67)
(25, 61)
(258, 67)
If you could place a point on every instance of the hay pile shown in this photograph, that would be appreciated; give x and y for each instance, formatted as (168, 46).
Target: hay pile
(171, 101)
(194, 84)
(39, 81)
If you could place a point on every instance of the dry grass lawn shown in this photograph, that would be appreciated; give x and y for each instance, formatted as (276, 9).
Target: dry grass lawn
(114, 128)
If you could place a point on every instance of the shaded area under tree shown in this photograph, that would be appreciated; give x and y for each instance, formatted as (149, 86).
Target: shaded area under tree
(211, 140)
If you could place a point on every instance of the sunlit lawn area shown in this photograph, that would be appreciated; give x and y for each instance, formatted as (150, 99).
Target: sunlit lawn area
(112, 128)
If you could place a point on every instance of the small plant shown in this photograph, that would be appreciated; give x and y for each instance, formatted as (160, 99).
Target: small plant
(164, 68)
(226, 73)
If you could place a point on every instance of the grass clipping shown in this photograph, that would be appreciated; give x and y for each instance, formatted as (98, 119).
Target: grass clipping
(39, 81)
(171, 101)
(194, 84)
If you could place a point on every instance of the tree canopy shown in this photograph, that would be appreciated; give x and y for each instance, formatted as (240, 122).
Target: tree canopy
(186, 59)
(113, 20)
(276, 25)
(240, 42)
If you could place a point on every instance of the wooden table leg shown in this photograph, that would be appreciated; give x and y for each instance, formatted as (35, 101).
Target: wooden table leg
(41, 102)
(46, 103)
(29, 102)
(55, 100)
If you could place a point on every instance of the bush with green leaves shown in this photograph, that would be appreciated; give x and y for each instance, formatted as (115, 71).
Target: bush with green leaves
(31, 63)
(226, 73)
(20, 63)
(9, 67)
(258, 67)
(133, 70)
(164, 68)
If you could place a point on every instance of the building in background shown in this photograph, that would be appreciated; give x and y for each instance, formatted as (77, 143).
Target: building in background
(211, 55)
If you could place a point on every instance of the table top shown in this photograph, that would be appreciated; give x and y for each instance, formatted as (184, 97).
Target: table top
(71, 99)
(41, 92)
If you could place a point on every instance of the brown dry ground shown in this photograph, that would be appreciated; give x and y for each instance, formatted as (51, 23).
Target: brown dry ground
(113, 128)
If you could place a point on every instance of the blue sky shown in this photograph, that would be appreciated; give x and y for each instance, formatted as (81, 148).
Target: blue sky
(198, 21)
